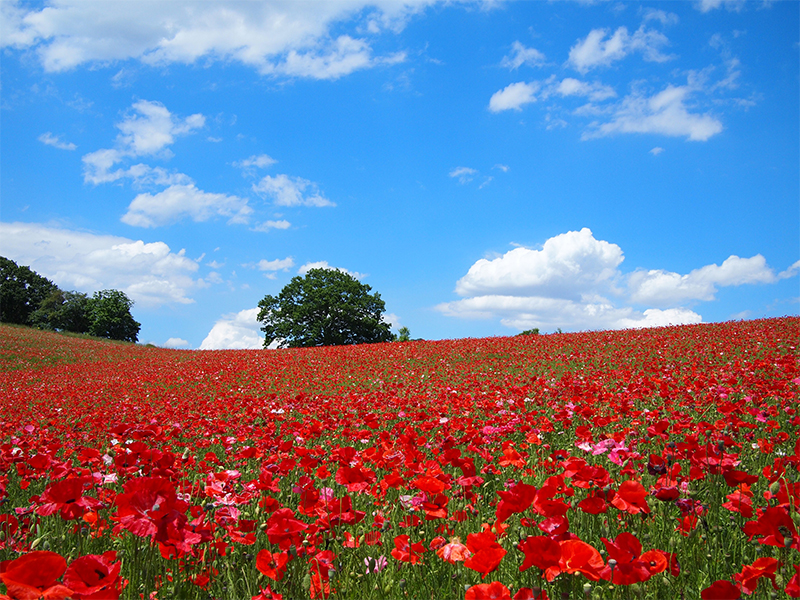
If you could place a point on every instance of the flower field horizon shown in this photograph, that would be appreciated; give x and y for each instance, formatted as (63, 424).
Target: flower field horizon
(646, 463)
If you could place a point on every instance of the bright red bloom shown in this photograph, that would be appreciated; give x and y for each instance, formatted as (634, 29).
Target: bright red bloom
(405, 551)
(94, 577)
(454, 551)
(626, 550)
(739, 502)
(486, 552)
(284, 530)
(540, 551)
(776, 526)
(529, 594)
(793, 587)
(144, 503)
(267, 594)
(631, 498)
(67, 497)
(272, 565)
(35, 575)
(577, 557)
(488, 591)
(721, 590)
(751, 574)
(515, 500)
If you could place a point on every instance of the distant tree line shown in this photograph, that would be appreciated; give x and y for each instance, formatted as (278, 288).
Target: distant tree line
(27, 298)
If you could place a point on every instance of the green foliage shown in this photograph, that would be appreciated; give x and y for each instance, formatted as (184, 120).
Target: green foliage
(324, 308)
(534, 331)
(63, 311)
(403, 335)
(21, 292)
(110, 316)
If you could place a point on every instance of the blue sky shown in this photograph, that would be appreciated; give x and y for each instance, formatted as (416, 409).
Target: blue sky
(486, 167)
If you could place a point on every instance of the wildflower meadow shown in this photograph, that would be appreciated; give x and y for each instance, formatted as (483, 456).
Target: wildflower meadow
(651, 463)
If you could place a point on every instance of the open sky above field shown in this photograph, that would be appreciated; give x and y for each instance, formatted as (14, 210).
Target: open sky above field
(486, 167)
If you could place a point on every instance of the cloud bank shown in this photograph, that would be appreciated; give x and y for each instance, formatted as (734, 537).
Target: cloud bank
(574, 282)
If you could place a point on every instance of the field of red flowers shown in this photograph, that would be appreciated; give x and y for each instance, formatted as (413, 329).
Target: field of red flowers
(659, 463)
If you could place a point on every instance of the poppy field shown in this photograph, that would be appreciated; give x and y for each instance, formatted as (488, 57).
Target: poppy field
(651, 463)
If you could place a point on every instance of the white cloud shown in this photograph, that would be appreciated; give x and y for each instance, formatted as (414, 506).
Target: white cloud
(503, 168)
(656, 151)
(463, 174)
(573, 282)
(53, 140)
(597, 51)
(180, 201)
(268, 225)
(260, 161)
(323, 264)
(709, 5)
(149, 273)
(663, 113)
(276, 265)
(513, 97)
(175, 342)
(147, 131)
(566, 265)
(520, 55)
(665, 18)
(664, 288)
(285, 38)
(291, 191)
(595, 91)
(392, 319)
(791, 271)
(520, 313)
(235, 331)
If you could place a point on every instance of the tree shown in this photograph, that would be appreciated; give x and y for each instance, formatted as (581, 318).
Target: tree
(63, 311)
(21, 291)
(110, 316)
(324, 308)
(403, 335)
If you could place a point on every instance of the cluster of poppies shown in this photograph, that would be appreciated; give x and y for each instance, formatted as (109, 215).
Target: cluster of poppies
(651, 462)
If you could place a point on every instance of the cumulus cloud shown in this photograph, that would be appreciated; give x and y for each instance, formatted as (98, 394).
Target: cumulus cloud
(53, 140)
(275, 265)
(180, 201)
(323, 264)
(664, 113)
(594, 91)
(463, 174)
(513, 97)
(291, 191)
(521, 55)
(601, 48)
(566, 265)
(147, 130)
(277, 38)
(574, 282)
(709, 5)
(261, 161)
(235, 331)
(665, 288)
(175, 342)
(656, 151)
(149, 273)
(269, 225)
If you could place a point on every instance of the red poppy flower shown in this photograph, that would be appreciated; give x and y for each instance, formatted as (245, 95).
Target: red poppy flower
(793, 587)
(488, 591)
(577, 557)
(631, 498)
(146, 501)
(751, 574)
(267, 594)
(739, 502)
(454, 551)
(630, 569)
(721, 590)
(283, 529)
(405, 551)
(34, 575)
(67, 497)
(486, 552)
(272, 565)
(540, 551)
(94, 577)
(530, 594)
(776, 526)
(436, 508)
(515, 500)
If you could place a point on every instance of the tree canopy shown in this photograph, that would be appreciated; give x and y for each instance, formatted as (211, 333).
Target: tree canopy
(324, 308)
(21, 291)
(27, 298)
